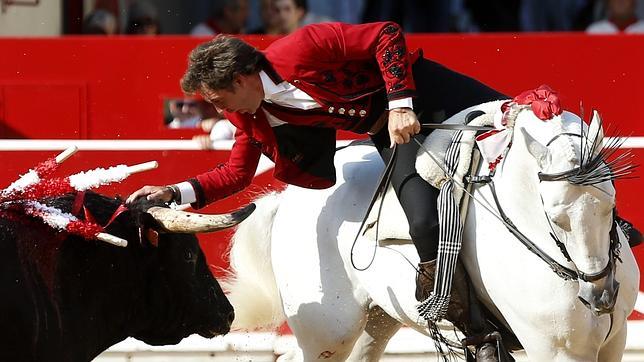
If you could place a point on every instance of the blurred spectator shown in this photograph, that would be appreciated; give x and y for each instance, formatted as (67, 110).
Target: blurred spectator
(143, 19)
(292, 14)
(227, 17)
(309, 16)
(288, 14)
(270, 22)
(100, 22)
(460, 18)
(621, 17)
(415, 16)
(555, 15)
(495, 15)
(346, 11)
(185, 113)
(217, 129)
(190, 112)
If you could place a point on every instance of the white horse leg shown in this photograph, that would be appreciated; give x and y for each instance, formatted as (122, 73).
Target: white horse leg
(325, 315)
(326, 325)
(326, 332)
(561, 338)
(324, 307)
(375, 336)
(295, 355)
(613, 350)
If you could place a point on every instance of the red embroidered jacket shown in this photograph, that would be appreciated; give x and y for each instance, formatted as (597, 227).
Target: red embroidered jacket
(345, 68)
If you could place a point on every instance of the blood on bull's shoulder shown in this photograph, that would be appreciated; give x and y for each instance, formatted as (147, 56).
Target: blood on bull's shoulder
(66, 298)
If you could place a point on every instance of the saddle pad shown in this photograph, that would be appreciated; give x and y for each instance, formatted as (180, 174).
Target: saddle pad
(393, 223)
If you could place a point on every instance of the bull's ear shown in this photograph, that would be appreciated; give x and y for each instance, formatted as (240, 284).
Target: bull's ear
(152, 236)
(148, 236)
(147, 226)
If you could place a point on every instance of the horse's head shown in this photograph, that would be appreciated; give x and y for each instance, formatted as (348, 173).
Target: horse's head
(578, 197)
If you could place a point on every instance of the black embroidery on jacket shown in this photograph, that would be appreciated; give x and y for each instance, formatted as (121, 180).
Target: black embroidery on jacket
(328, 76)
(397, 71)
(390, 29)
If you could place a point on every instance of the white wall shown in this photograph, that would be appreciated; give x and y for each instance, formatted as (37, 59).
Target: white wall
(45, 19)
(406, 345)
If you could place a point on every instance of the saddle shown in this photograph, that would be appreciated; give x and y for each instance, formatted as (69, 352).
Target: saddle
(392, 227)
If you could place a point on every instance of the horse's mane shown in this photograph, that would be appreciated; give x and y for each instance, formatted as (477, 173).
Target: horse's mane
(598, 161)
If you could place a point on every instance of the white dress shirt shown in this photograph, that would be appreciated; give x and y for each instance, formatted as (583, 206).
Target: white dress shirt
(608, 27)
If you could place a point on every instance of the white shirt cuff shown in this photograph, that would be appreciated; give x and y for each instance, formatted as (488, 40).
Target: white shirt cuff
(188, 195)
(401, 103)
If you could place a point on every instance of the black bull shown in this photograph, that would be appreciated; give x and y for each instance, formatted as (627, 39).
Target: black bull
(68, 299)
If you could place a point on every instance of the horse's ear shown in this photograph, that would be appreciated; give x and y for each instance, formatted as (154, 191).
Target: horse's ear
(536, 149)
(595, 137)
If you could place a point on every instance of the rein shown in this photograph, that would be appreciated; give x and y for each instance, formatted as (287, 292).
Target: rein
(383, 184)
(561, 270)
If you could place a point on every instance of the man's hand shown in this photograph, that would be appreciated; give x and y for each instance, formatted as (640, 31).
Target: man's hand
(204, 141)
(158, 193)
(403, 124)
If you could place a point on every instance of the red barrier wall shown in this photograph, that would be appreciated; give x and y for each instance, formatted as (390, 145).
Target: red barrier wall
(113, 88)
(109, 88)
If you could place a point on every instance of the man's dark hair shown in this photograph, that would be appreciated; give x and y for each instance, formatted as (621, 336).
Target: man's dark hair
(302, 4)
(219, 8)
(217, 62)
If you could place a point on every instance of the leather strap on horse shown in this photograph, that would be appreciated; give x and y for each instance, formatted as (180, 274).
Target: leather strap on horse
(380, 191)
(456, 127)
(560, 270)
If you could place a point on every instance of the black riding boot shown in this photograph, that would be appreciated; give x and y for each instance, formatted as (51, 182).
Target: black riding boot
(425, 279)
(458, 310)
(459, 296)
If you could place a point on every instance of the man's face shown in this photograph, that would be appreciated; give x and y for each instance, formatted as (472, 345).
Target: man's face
(288, 15)
(244, 97)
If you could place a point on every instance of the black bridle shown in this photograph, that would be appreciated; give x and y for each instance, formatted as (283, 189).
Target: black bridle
(561, 270)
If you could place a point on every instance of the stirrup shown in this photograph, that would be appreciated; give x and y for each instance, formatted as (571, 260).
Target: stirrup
(494, 338)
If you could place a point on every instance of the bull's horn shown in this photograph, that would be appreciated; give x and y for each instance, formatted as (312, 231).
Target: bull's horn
(175, 221)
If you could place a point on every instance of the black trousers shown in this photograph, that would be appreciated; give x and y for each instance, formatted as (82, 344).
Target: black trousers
(441, 94)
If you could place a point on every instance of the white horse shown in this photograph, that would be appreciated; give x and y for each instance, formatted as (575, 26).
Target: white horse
(291, 259)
